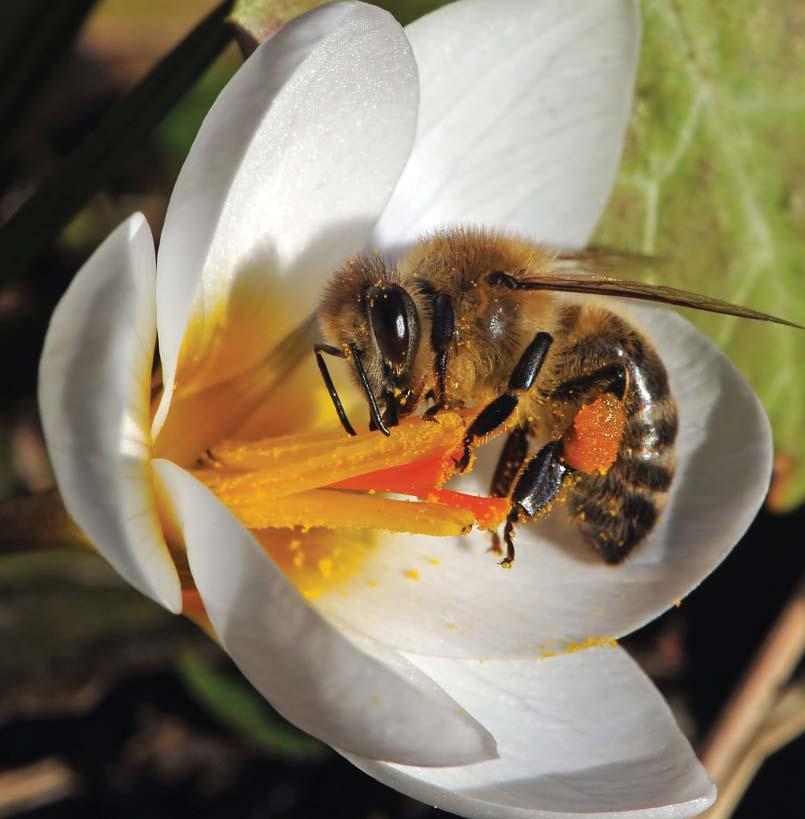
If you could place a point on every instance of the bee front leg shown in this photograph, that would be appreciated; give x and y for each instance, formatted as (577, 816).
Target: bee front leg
(536, 489)
(319, 349)
(442, 332)
(499, 410)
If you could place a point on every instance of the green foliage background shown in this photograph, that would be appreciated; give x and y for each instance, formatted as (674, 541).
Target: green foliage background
(713, 178)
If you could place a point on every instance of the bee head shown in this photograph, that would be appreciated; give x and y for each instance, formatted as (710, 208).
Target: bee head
(369, 315)
(394, 324)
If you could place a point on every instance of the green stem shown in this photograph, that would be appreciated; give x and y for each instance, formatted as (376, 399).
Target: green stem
(38, 522)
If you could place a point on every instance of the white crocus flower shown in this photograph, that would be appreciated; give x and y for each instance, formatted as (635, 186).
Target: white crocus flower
(415, 656)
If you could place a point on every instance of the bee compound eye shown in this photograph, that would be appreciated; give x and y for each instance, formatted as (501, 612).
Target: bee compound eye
(394, 322)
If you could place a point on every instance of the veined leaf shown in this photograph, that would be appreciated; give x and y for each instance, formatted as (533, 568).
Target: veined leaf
(714, 179)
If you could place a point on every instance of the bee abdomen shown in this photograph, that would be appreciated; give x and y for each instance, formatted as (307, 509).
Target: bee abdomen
(655, 477)
(617, 511)
(613, 516)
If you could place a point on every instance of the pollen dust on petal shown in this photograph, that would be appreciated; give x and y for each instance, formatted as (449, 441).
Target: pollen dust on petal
(318, 560)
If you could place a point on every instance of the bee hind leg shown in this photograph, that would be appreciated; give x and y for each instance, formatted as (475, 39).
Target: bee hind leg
(538, 486)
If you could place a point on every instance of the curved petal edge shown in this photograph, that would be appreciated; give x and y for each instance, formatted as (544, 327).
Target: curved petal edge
(290, 170)
(583, 734)
(354, 696)
(521, 131)
(94, 399)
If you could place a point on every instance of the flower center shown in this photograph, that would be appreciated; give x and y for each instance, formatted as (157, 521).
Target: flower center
(314, 500)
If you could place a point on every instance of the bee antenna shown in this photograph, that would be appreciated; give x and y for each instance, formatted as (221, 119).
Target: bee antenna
(328, 382)
(370, 397)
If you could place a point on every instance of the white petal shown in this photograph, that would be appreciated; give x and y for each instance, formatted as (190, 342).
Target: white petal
(581, 734)
(94, 394)
(288, 174)
(374, 703)
(558, 591)
(523, 112)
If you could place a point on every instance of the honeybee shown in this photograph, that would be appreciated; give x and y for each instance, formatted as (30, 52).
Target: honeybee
(474, 318)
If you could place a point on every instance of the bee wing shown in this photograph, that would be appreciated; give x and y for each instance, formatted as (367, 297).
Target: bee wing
(590, 272)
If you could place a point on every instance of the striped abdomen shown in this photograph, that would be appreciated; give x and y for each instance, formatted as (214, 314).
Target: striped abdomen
(618, 510)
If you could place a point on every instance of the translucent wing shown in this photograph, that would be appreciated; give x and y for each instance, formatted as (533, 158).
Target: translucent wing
(591, 272)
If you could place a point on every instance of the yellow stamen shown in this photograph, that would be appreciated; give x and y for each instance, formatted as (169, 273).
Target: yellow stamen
(314, 499)
(280, 482)
(348, 510)
(292, 463)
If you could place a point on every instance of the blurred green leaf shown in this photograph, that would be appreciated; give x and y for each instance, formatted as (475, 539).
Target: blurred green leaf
(232, 701)
(34, 37)
(714, 179)
(255, 20)
(41, 218)
(406, 11)
(175, 134)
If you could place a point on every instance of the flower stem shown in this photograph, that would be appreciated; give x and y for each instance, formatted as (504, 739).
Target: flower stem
(38, 522)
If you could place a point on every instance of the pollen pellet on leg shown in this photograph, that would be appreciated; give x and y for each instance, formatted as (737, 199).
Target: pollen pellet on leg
(592, 443)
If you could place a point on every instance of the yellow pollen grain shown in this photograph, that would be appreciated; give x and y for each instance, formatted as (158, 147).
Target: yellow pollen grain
(325, 561)
(412, 574)
(590, 642)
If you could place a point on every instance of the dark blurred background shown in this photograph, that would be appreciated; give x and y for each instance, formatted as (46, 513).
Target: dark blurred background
(108, 705)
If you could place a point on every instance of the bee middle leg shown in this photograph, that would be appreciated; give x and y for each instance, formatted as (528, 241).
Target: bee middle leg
(512, 457)
(500, 409)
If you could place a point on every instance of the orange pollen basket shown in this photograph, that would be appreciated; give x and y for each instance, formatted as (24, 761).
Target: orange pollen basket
(334, 481)
(591, 444)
